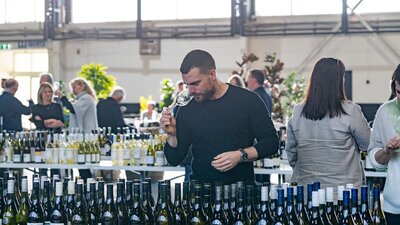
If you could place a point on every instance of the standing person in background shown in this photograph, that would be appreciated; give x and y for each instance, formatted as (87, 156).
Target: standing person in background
(109, 112)
(383, 149)
(255, 82)
(46, 77)
(83, 110)
(150, 113)
(47, 115)
(237, 81)
(11, 108)
(327, 131)
(221, 122)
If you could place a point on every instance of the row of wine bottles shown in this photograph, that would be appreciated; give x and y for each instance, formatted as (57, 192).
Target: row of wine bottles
(69, 202)
(78, 148)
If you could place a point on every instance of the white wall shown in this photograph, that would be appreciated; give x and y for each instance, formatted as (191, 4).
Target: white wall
(141, 75)
(365, 55)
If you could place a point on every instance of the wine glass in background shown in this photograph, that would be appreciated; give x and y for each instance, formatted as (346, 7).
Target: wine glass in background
(397, 127)
(56, 86)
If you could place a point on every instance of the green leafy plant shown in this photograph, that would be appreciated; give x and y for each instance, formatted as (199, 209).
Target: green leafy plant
(96, 74)
(167, 93)
(295, 85)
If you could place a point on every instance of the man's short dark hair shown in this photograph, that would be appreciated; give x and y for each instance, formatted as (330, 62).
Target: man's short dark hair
(197, 59)
(258, 75)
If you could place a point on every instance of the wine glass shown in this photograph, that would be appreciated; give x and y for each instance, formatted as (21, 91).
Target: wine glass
(182, 99)
(397, 127)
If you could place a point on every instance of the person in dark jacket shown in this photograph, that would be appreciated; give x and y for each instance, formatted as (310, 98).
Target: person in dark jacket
(11, 108)
(109, 112)
(255, 83)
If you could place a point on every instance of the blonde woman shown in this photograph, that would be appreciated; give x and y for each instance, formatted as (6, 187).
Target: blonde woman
(83, 108)
(47, 115)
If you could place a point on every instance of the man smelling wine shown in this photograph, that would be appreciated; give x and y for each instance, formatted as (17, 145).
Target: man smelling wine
(221, 124)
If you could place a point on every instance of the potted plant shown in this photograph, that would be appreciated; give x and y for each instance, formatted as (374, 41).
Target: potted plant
(96, 74)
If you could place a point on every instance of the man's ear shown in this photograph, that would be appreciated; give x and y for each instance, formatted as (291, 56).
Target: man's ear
(213, 74)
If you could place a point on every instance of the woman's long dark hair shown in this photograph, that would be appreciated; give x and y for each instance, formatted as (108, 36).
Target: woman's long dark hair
(395, 77)
(326, 90)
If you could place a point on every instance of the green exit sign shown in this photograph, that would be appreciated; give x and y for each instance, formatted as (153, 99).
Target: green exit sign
(5, 46)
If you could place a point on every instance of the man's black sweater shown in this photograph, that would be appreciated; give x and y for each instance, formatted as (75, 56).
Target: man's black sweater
(226, 124)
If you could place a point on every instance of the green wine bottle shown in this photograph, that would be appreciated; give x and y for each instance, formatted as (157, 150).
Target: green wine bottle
(137, 215)
(178, 212)
(23, 211)
(264, 216)
(163, 215)
(218, 216)
(226, 203)
(122, 215)
(241, 216)
(93, 209)
(109, 215)
(79, 214)
(10, 212)
(100, 200)
(36, 214)
(46, 203)
(58, 213)
(148, 211)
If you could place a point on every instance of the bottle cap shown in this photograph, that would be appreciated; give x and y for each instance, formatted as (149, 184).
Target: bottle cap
(321, 196)
(329, 194)
(71, 187)
(340, 192)
(274, 193)
(315, 200)
(59, 189)
(264, 193)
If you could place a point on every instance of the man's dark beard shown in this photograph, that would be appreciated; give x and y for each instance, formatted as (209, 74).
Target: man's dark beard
(206, 95)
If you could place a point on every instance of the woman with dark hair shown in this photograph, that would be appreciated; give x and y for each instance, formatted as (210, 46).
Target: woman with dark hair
(327, 131)
(383, 150)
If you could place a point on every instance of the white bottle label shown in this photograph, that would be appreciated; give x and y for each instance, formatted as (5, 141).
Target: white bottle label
(27, 158)
(136, 153)
(17, 158)
(125, 153)
(81, 158)
(88, 159)
(34, 223)
(149, 160)
(69, 154)
(61, 155)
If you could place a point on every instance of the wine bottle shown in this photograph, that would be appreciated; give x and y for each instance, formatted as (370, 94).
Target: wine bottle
(339, 206)
(122, 216)
(178, 212)
(186, 197)
(257, 198)
(218, 216)
(264, 216)
(79, 215)
(316, 185)
(250, 207)
(10, 212)
(129, 197)
(58, 213)
(151, 199)
(322, 206)
(365, 214)
(241, 216)
(197, 217)
(109, 215)
(137, 215)
(93, 209)
(24, 207)
(150, 157)
(354, 207)
(346, 218)
(36, 213)
(70, 201)
(17, 149)
(309, 200)
(227, 208)
(294, 185)
(290, 208)
(274, 201)
(301, 210)
(163, 214)
(100, 200)
(148, 211)
(315, 219)
(233, 202)
(280, 213)
(207, 207)
(330, 211)
(46, 203)
(26, 149)
(378, 217)
(2, 201)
